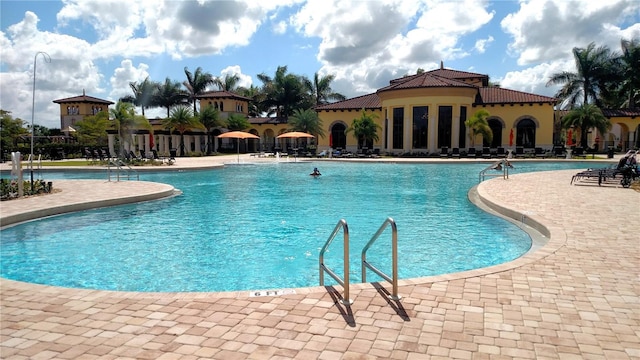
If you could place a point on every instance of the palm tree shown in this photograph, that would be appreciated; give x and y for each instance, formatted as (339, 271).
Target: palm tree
(126, 121)
(585, 117)
(257, 97)
(306, 121)
(229, 83)
(365, 128)
(630, 60)
(181, 119)
(284, 93)
(320, 90)
(237, 122)
(143, 94)
(92, 130)
(478, 125)
(593, 70)
(170, 94)
(210, 118)
(196, 84)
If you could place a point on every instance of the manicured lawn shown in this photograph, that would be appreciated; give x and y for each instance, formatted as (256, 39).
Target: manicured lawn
(63, 163)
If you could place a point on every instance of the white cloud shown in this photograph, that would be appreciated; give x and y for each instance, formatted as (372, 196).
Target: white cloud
(124, 75)
(542, 29)
(481, 44)
(245, 80)
(534, 79)
(68, 74)
(365, 44)
(280, 27)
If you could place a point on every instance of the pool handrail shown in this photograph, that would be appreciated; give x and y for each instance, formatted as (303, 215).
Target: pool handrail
(394, 257)
(342, 224)
(119, 168)
(503, 163)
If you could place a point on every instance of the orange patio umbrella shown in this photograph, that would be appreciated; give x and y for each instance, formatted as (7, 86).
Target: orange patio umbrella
(294, 135)
(238, 135)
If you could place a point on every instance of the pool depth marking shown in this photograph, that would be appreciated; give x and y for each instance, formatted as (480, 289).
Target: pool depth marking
(259, 293)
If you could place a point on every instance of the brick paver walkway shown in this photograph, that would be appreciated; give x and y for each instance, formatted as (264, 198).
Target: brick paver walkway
(578, 297)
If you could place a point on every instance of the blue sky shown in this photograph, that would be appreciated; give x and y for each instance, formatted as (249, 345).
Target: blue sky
(101, 46)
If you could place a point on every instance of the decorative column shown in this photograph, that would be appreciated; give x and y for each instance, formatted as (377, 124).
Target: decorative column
(455, 128)
(432, 131)
(111, 141)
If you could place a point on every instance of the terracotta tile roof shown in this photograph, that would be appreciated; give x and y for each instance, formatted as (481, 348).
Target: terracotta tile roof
(424, 80)
(621, 112)
(498, 95)
(221, 94)
(83, 99)
(632, 113)
(456, 74)
(369, 101)
(267, 120)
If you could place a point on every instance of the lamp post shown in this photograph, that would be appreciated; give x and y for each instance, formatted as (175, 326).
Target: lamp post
(47, 58)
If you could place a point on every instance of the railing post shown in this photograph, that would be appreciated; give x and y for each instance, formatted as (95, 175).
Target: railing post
(394, 258)
(322, 267)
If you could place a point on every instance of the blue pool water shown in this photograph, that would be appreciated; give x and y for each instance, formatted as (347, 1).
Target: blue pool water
(252, 227)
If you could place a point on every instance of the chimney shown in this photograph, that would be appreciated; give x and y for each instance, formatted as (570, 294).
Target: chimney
(441, 65)
(83, 94)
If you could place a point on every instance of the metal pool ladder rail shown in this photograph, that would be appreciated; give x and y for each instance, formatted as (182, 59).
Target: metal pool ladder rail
(394, 257)
(342, 224)
(116, 170)
(500, 165)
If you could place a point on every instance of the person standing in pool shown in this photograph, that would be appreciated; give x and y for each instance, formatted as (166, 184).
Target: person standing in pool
(315, 172)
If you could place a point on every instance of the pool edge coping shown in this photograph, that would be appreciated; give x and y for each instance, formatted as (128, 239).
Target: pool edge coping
(532, 224)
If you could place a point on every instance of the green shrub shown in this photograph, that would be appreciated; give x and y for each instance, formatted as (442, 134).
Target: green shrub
(9, 188)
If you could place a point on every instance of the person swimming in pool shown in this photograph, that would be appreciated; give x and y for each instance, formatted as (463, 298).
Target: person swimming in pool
(315, 172)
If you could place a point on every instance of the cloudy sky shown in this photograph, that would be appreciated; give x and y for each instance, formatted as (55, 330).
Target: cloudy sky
(103, 45)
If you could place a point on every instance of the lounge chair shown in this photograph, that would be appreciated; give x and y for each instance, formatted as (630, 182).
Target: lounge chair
(578, 152)
(486, 153)
(519, 152)
(501, 153)
(559, 152)
(455, 152)
(444, 152)
(471, 152)
(539, 152)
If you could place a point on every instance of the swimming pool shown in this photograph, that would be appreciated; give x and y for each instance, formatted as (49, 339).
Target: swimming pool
(261, 226)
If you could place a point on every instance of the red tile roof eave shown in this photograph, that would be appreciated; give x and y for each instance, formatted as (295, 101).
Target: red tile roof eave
(83, 99)
(552, 103)
(351, 108)
(221, 95)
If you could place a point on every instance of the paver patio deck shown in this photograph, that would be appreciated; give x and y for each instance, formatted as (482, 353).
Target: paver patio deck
(578, 297)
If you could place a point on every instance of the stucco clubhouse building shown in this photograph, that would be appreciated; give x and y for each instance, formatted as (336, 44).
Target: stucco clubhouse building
(417, 115)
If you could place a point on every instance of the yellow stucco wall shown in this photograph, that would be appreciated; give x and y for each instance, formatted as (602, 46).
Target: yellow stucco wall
(226, 106)
(69, 117)
(511, 114)
(346, 117)
(508, 115)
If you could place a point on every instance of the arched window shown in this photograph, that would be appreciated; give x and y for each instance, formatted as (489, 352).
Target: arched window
(526, 134)
(496, 129)
(338, 138)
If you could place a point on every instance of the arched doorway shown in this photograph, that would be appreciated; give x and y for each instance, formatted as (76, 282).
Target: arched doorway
(496, 129)
(526, 134)
(338, 139)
